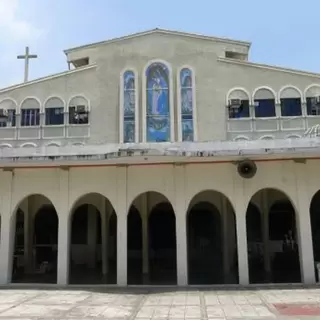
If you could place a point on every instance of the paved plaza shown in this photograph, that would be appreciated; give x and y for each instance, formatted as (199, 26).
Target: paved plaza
(146, 304)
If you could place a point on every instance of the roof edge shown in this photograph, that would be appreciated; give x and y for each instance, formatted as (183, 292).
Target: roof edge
(270, 67)
(163, 31)
(53, 76)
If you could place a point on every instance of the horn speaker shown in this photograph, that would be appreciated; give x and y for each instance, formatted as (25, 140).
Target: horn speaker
(247, 169)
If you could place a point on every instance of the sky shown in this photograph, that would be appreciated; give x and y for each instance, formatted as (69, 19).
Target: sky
(282, 32)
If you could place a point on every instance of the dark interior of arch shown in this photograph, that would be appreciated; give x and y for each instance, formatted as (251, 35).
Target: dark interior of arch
(315, 228)
(283, 253)
(162, 245)
(86, 247)
(134, 247)
(205, 260)
(35, 256)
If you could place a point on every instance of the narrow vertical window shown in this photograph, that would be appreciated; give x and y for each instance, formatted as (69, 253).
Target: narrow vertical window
(30, 113)
(129, 107)
(187, 108)
(158, 103)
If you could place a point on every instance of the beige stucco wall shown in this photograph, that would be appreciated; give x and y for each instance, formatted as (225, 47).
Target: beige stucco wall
(214, 79)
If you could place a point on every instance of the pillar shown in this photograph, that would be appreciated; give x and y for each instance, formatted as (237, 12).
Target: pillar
(64, 231)
(122, 213)
(240, 201)
(105, 208)
(304, 233)
(145, 236)
(181, 224)
(8, 223)
(265, 233)
(225, 238)
(92, 236)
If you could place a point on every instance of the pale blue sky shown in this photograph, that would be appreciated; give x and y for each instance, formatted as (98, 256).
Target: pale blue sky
(282, 32)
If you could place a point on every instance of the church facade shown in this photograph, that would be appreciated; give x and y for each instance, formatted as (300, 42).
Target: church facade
(161, 158)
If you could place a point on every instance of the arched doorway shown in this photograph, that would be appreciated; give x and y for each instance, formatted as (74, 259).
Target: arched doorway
(273, 252)
(315, 227)
(35, 241)
(211, 240)
(151, 240)
(93, 254)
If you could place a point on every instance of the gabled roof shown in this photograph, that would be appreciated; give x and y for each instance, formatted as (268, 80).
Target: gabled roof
(160, 31)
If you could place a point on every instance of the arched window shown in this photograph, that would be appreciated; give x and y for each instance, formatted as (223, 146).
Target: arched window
(129, 106)
(30, 113)
(312, 94)
(10, 106)
(78, 111)
(54, 112)
(187, 104)
(264, 103)
(238, 103)
(158, 106)
(290, 101)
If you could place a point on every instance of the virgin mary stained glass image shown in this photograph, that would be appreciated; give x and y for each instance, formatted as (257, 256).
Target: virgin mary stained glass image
(129, 93)
(129, 105)
(186, 104)
(158, 106)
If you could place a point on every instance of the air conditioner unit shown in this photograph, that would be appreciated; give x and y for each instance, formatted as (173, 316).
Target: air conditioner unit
(234, 104)
(3, 115)
(81, 109)
(315, 105)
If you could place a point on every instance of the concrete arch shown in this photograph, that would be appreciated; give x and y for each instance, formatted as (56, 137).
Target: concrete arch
(311, 91)
(18, 202)
(290, 89)
(28, 145)
(266, 88)
(160, 197)
(220, 194)
(5, 145)
(244, 94)
(30, 98)
(53, 144)
(267, 137)
(46, 103)
(293, 136)
(92, 198)
(9, 104)
(81, 97)
(284, 193)
(241, 138)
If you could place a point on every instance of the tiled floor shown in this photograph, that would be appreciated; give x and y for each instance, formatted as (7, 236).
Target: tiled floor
(151, 304)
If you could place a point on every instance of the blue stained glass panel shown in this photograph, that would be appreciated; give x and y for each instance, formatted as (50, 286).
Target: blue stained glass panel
(187, 130)
(187, 105)
(158, 103)
(129, 106)
(129, 131)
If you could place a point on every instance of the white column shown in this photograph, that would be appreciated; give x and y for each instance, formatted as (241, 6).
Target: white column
(8, 224)
(265, 232)
(145, 235)
(122, 213)
(304, 235)
(104, 235)
(240, 201)
(92, 236)
(64, 228)
(181, 224)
